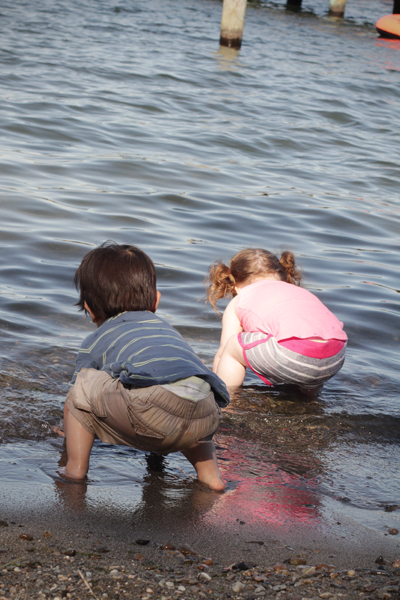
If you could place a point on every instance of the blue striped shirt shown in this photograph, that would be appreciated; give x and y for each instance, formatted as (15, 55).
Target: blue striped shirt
(141, 349)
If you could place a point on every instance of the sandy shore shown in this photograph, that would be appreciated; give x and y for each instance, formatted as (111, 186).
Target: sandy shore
(89, 553)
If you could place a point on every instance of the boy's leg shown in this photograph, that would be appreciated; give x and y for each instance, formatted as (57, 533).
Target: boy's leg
(79, 446)
(232, 367)
(204, 459)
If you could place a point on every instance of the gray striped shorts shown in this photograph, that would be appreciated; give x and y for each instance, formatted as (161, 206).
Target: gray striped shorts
(274, 363)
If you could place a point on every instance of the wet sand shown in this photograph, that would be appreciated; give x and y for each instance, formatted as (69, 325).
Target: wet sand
(54, 555)
(74, 548)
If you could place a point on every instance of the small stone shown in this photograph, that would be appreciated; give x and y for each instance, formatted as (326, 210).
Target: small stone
(26, 536)
(326, 595)
(114, 572)
(259, 590)
(297, 561)
(396, 564)
(181, 588)
(3, 523)
(168, 546)
(238, 587)
(70, 552)
(47, 534)
(351, 573)
(101, 549)
(149, 591)
(185, 549)
(161, 583)
(391, 507)
(280, 587)
(308, 571)
(203, 577)
(393, 531)
(142, 542)
(207, 561)
(380, 560)
(169, 584)
(240, 566)
(138, 556)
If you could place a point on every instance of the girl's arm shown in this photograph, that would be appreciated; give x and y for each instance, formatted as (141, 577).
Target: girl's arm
(230, 326)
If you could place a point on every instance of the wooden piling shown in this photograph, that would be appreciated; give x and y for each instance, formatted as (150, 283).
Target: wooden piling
(336, 8)
(294, 4)
(232, 23)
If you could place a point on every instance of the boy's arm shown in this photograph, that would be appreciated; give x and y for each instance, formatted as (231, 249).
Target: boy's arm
(230, 326)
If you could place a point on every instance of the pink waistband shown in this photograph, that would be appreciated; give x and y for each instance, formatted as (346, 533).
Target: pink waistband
(313, 349)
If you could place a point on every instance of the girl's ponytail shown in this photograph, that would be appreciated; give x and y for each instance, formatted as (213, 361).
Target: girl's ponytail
(293, 274)
(221, 283)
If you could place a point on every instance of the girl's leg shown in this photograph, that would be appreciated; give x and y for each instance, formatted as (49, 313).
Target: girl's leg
(204, 459)
(79, 446)
(232, 367)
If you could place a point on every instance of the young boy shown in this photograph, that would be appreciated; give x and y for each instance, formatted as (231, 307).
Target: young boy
(137, 382)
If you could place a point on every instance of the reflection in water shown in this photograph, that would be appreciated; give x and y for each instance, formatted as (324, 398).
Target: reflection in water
(165, 500)
(72, 494)
(228, 58)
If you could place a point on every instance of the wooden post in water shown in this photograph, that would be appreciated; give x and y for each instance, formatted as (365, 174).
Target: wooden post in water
(232, 23)
(294, 4)
(396, 7)
(336, 8)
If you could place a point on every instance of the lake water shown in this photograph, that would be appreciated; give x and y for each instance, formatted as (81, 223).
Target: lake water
(124, 120)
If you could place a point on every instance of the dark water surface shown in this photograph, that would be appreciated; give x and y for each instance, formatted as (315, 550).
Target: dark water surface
(122, 119)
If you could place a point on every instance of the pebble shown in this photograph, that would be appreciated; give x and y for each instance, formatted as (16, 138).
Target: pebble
(297, 561)
(393, 531)
(308, 571)
(142, 542)
(168, 546)
(396, 564)
(351, 573)
(26, 536)
(203, 577)
(238, 587)
(326, 595)
(47, 534)
(181, 588)
(70, 552)
(114, 572)
(260, 589)
(185, 549)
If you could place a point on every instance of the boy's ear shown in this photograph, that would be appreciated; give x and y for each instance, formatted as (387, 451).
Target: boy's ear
(92, 316)
(157, 302)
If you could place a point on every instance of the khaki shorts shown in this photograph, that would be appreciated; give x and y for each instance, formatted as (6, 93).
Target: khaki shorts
(152, 419)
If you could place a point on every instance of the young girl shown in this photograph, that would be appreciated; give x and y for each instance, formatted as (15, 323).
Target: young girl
(278, 329)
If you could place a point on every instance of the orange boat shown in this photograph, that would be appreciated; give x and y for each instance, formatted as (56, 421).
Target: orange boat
(389, 26)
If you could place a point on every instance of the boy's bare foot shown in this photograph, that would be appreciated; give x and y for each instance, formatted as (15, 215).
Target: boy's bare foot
(204, 459)
(62, 471)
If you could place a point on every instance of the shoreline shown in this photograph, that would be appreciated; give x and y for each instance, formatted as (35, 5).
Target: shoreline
(58, 552)
(77, 558)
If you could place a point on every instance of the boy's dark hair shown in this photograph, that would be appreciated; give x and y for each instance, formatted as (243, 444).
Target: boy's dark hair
(115, 278)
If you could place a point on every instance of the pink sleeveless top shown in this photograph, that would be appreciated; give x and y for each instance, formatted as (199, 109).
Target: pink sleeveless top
(286, 311)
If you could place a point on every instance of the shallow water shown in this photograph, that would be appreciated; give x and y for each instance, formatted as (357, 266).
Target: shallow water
(125, 120)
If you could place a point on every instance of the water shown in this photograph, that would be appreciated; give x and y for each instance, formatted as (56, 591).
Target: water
(124, 120)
